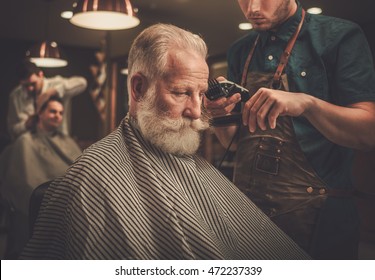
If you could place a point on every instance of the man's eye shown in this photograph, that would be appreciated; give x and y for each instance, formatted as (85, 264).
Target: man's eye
(181, 93)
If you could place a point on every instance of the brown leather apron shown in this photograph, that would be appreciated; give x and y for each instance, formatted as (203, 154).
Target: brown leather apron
(273, 172)
(271, 168)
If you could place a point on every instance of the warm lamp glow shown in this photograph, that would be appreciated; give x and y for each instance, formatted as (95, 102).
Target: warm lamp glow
(315, 10)
(104, 14)
(124, 71)
(66, 14)
(245, 26)
(46, 54)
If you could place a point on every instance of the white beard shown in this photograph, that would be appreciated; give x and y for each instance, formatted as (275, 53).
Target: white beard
(176, 136)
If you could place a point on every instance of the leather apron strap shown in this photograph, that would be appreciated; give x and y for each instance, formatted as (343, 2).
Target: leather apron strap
(276, 82)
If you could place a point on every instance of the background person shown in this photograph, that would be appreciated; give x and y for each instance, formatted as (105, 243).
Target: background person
(33, 86)
(37, 156)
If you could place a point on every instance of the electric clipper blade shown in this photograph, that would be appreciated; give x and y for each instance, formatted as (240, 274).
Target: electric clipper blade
(218, 89)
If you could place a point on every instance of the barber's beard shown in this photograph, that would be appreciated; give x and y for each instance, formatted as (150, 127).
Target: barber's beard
(176, 136)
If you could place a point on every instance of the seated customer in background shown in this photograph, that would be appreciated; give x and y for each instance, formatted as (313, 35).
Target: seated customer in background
(34, 158)
(34, 86)
(142, 192)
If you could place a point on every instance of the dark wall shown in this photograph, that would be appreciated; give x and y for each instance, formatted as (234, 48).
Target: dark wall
(84, 115)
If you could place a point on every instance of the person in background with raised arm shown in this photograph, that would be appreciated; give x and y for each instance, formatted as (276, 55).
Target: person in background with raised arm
(34, 86)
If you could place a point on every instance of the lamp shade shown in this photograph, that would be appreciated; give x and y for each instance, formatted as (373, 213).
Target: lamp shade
(104, 14)
(46, 54)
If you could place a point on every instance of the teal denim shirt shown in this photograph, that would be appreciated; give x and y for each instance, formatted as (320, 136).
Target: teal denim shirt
(331, 60)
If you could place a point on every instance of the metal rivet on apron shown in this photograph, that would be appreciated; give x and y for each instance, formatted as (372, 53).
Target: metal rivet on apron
(281, 143)
(303, 74)
(278, 151)
(273, 38)
(322, 191)
(270, 57)
(261, 146)
(309, 189)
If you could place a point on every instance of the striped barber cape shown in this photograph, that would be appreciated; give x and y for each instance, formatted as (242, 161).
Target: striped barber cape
(126, 199)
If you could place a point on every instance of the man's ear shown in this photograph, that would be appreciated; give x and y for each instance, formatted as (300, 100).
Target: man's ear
(139, 86)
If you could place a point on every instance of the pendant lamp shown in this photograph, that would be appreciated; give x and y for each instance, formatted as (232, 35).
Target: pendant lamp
(104, 14)
(46, 54)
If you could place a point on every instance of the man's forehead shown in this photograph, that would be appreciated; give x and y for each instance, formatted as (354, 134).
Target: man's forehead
(55, 105)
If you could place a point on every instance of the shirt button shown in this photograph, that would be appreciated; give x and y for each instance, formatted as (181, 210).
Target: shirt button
(270, 57)
(303, 74)
(273, 38)
(322, 191)
(309, 189)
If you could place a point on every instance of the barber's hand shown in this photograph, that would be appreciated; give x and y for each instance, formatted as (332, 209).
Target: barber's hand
(42, 98)
(266, 105)
(221, 106)
(31, 122)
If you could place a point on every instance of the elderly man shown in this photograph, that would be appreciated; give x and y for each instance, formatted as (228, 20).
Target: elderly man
(37, 156)
(142, 192)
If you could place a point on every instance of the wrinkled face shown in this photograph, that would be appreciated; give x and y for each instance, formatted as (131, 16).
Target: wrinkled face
(170, 114)
(51, 118)
(267, 14)
(33, 84)
(181, 90)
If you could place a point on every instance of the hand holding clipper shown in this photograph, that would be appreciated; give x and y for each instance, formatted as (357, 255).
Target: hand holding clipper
(218, 89)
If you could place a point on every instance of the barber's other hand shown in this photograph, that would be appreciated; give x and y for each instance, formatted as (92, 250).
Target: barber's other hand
(266, 105)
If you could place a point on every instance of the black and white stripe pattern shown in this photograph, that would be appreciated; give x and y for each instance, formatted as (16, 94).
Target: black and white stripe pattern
(125, 199)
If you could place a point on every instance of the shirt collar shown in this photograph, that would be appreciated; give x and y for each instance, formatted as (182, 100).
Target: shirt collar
(286, 30)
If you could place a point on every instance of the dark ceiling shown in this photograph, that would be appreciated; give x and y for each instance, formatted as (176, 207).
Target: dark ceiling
(216, 20)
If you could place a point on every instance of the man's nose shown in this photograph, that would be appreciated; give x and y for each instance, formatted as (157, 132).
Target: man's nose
(193, 108)
(253, 6)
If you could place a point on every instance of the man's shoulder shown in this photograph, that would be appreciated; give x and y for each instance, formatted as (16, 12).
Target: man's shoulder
(22, 142)
(25, 137)
(54, 80)
(326, 24)
(241, 46)
(16, 92)
(101, 165)
(106, 150)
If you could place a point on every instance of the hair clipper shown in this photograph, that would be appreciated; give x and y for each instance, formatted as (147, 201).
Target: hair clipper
(225, 88)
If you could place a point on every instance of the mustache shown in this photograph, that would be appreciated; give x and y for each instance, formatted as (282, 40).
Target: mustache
(186, 123)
